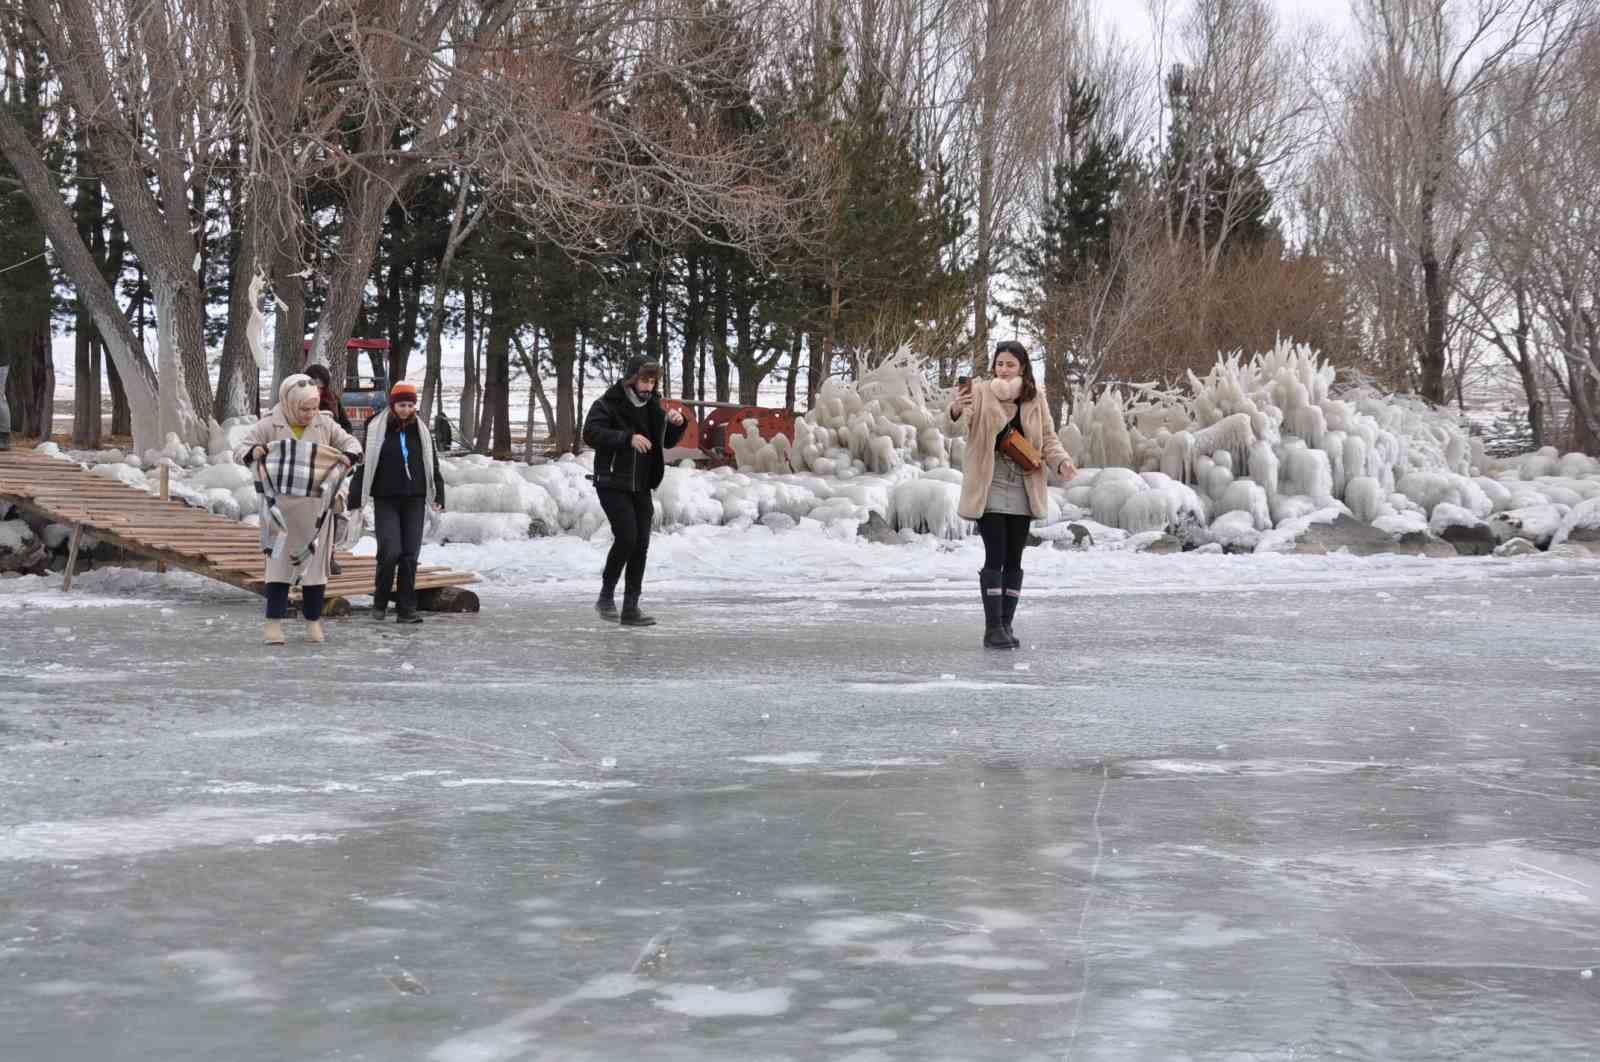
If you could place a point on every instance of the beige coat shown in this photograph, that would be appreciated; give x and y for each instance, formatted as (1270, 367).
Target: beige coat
(981, 424)
(323, 430)
(300, 513)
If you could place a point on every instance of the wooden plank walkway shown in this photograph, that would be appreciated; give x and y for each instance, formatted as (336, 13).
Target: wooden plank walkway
(169, 531)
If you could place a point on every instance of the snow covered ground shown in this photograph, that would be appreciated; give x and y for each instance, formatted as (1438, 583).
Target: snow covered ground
(1260, 806)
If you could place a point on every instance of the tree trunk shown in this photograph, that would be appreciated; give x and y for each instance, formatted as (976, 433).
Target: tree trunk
(530, 365)
(469, 365)
(358, 245)
(794, 369)
(86, 419)
(121, 411)
(289, 329)
(31, 387)
(564, 353)
(125, 350)
(1435, 298)
(583, 371)
(239, 376)
(494, 435)
(691, 324)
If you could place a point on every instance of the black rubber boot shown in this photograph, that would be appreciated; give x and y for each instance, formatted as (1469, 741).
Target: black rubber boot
(631, 616)
(994, 633)
(1011, 583)
(606, 605)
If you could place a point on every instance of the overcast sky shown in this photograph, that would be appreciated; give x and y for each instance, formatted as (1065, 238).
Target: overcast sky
(1130, 17)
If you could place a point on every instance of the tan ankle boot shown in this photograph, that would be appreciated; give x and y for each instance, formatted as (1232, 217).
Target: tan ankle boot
(274, 633)
(314, 631)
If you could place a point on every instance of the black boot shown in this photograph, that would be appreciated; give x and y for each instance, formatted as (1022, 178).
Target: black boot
(380, 606)
(407, 615)
(606, 603)
(994, 634)
(1011, 583)
(631, 616)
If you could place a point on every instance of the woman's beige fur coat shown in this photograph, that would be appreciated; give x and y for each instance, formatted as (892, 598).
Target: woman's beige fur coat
(981, 424)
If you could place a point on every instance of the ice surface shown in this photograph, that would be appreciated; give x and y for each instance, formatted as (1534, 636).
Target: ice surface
(803, 860)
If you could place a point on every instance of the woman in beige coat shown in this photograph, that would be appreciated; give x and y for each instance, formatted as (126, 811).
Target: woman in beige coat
(995, 491)
(298, 416)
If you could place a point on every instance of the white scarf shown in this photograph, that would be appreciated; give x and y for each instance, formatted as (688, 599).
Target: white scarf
(1007, 390)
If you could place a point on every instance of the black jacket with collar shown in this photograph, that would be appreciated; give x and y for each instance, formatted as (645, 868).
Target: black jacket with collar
(612, 423)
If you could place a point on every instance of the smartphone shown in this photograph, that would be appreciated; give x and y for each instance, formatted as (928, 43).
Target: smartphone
(963, 383)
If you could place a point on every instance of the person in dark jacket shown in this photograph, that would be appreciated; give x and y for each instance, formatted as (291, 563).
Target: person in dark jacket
(402, 474)
(328, 398)
(442, 432)
(630, 431)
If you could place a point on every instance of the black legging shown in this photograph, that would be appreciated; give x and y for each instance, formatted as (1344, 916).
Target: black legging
(1004, 538)
(630, 513)
(398, 524)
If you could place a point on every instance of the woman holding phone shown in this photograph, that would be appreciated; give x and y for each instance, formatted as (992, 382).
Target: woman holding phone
(1011, 440)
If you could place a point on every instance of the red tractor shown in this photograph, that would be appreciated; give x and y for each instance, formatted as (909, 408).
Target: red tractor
(709, 435)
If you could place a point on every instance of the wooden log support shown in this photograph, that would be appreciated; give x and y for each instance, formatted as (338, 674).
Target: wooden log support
(166, 495)
(72, 557)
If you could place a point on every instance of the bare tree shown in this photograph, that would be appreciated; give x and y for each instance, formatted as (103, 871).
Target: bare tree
(1014, 51)
(1405, 138)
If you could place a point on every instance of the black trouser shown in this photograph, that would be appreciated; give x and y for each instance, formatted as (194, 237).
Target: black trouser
(1004, 538)
(311, 599)
(630, 513)
(398, 523)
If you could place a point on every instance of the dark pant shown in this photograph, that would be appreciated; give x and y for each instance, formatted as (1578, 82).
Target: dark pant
(1004, 539)
(398, 523)
(630, 513)
(311, 598)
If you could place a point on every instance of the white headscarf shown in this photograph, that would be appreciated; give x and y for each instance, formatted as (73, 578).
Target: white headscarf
(300, 398)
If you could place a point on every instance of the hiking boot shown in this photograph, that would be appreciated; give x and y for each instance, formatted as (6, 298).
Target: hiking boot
(631, 616)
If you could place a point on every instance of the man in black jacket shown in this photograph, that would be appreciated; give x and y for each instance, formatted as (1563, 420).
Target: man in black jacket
(629, 432)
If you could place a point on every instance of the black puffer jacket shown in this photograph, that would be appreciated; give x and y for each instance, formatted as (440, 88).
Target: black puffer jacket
(612, 423)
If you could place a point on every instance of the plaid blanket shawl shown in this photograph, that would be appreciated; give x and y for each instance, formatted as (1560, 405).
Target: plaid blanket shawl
(295, 469)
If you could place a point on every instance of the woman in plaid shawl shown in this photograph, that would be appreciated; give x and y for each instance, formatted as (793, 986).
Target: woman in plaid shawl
(298, 416)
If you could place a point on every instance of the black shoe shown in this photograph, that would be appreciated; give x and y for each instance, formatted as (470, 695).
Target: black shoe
(606, 605)
(379, 609)
(1011, 583)
(631, 616)
(994, 632)
(407, 615)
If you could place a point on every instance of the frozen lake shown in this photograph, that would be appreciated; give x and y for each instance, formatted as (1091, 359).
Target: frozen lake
(1351, 817)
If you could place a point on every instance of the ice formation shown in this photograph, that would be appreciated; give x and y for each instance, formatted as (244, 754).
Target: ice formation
(1247, 457)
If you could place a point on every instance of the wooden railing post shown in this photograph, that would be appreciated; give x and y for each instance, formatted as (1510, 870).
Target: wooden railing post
(72, 557)
(166, 495)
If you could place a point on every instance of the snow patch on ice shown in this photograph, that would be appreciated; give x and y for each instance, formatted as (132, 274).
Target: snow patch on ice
(785, 759)
(705, 1001)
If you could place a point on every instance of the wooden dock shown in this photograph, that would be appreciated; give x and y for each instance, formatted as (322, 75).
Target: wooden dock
(173, 533)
